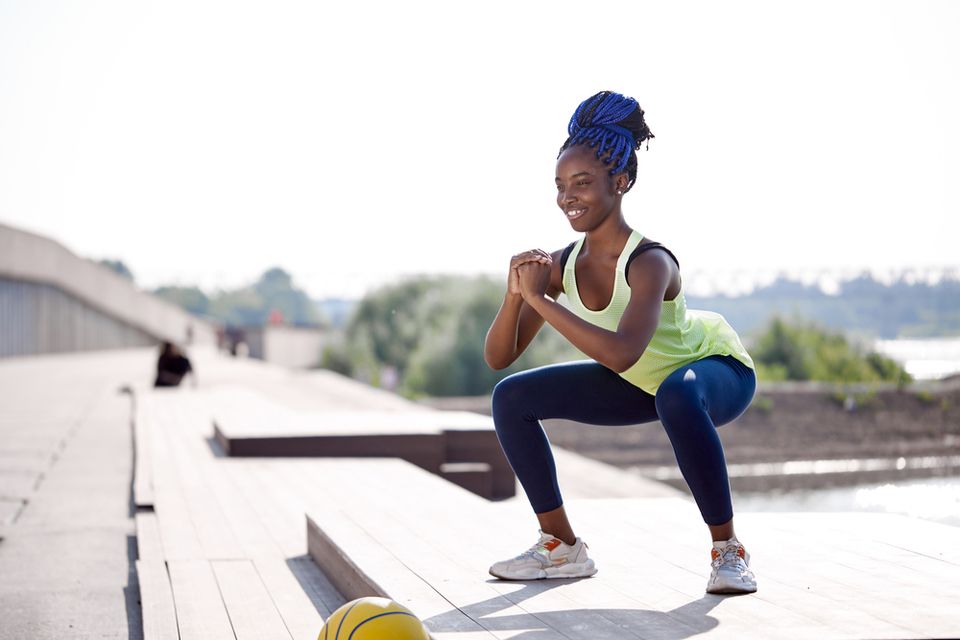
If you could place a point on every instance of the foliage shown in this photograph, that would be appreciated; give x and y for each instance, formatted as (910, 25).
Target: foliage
(336, 310)
(762, 403)
(239, 307)
(862, 305)
(806, 351)
(856, 400)
(277, 292)
(392, 320)
(274, 292)
(118, 267)
(191, 299)
(431, 330)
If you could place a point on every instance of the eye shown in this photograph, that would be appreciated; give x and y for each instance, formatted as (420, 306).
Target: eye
(583, 183)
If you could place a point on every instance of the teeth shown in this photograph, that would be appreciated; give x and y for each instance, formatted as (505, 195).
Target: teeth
(575, 213)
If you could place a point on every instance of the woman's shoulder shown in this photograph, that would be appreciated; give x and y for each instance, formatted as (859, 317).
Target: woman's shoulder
(654, 251)
(657, 262)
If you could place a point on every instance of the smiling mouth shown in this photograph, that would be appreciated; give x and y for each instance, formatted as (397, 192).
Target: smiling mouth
(573, 214)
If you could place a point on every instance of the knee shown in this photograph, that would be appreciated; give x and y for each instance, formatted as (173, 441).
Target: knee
(681, 394)
(507, 395)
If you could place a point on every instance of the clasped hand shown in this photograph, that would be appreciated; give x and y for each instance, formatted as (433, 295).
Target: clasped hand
(530, 273)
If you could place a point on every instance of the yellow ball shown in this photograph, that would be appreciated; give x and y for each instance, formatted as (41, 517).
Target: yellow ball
(373, 619)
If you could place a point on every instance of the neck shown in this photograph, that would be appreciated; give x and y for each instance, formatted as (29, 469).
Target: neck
(609, 238)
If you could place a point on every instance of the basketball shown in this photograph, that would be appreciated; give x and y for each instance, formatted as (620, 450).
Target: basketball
(373, 619)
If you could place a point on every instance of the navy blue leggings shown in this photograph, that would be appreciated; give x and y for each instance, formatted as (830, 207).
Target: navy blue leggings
(690, 403)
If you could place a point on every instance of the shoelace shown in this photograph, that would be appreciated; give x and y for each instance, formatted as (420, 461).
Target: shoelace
(535, 549)
(730, 557)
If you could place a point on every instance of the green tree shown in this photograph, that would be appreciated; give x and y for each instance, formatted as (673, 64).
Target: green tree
(801, 350)
(277, 292)
(251, 305)
(390, 321)
(239, 307)
(191, 299)
(450, 362)
(118, 267)
(432, 330)
(902, 308)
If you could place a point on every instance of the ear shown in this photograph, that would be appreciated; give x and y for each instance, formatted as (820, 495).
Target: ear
(621, 182)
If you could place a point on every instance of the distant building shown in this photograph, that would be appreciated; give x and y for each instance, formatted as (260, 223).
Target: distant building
(294, 347)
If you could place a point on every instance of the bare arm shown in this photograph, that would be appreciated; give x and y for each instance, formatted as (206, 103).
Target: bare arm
(517, 323)
(649, 277)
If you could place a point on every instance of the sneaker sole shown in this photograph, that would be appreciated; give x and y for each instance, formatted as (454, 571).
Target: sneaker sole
(581, 570)
(721, 588)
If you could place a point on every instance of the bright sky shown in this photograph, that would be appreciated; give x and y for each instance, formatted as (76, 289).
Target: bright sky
(203, 142)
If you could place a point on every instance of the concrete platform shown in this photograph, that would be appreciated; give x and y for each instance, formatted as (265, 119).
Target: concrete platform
(222, 553)
(206, 508)
(221, 547)
(459, 446)
(820, 575)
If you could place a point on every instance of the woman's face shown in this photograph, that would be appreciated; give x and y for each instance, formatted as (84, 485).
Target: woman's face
(586, 192)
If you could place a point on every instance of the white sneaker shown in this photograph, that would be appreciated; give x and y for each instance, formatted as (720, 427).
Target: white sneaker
(548, 558)
(731, 572)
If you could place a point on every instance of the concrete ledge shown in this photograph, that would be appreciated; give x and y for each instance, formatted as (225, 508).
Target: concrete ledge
(29, 257)
(249, 425)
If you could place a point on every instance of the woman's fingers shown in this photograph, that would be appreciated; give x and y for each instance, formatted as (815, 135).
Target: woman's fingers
(534, 255)
(534, 277)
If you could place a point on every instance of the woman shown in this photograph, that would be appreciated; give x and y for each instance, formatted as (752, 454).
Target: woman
(652, 358)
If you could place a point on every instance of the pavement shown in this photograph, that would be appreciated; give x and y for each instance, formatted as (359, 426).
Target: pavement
(68, 542)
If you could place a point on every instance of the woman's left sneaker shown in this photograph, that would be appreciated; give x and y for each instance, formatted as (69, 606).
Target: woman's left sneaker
(730, 568)
(549, 557)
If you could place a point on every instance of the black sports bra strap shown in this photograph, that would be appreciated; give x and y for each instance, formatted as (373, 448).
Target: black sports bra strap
(646, 247)
(566, 256)
(636, 252)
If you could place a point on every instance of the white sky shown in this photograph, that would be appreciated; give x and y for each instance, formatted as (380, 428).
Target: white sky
(350, 143)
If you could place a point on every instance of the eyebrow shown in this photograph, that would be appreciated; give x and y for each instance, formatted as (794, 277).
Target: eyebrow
(577, 175)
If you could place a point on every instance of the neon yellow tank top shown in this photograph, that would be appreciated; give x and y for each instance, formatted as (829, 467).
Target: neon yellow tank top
(682, 336)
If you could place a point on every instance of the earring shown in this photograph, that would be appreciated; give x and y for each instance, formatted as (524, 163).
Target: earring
(619, 193)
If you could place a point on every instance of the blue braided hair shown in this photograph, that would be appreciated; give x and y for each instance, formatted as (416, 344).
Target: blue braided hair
(614, 124)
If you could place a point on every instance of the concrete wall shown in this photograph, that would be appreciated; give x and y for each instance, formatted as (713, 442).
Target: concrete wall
(53, 301)
(39, 318)
(294, 347)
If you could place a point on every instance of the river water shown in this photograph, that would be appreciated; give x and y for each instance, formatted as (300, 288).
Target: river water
(936, 499)
(924, 358)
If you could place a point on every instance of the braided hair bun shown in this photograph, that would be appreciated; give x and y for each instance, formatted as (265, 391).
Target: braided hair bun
(614, 124)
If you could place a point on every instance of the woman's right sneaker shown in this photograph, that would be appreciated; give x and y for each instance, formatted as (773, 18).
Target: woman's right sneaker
(730, 568)
(549, 558)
